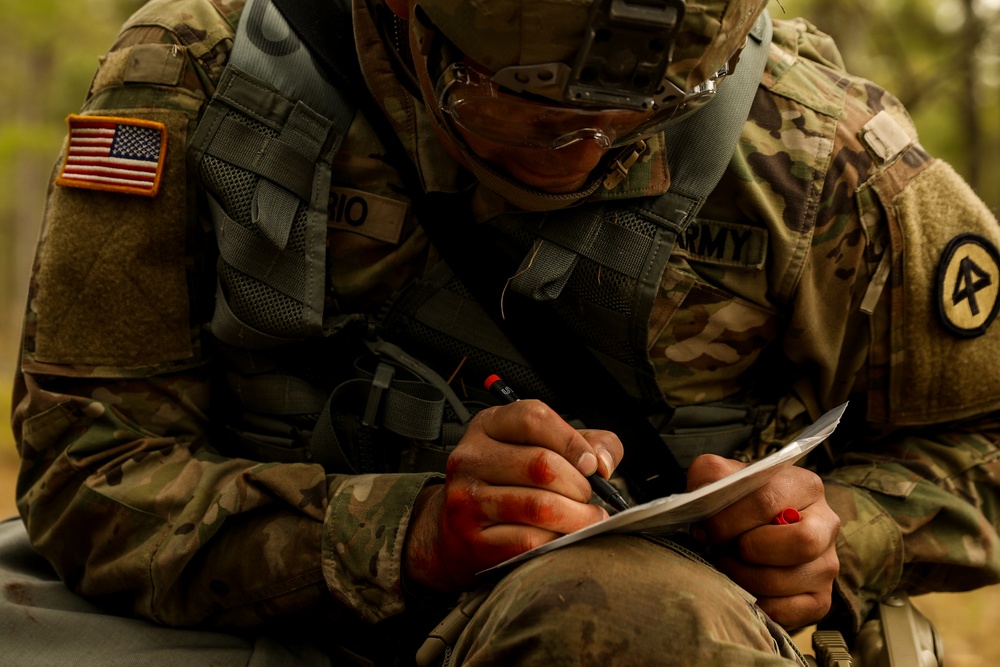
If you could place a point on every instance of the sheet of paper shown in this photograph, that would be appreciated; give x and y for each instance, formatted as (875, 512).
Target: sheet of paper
(675, 511)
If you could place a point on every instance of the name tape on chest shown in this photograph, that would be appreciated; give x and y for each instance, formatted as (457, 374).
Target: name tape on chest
(375, 216)
(124, 155)
(968, 285)
(724, 244)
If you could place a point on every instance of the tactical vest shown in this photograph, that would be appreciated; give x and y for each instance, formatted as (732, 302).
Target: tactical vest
(264, 148)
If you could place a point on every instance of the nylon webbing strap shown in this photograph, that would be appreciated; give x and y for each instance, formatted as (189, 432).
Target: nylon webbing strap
(251, 254)
(411, 409)
(328, 29)
(271, 158)
(693, 145)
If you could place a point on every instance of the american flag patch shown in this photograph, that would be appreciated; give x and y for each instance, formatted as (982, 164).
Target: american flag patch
(114, 154)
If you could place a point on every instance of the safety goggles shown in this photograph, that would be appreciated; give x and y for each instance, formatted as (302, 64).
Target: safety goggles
(476, 104)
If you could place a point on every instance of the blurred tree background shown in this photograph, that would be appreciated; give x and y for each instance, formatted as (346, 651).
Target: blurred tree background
(940, 57)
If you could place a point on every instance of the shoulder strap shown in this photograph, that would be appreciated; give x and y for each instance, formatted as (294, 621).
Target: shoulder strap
(327, 28)
(264, 147)
(700, 147)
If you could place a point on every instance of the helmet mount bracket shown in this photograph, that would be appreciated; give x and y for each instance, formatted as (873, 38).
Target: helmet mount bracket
(622, 59)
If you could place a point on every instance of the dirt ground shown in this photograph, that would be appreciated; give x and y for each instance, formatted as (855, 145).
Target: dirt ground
(966, 621)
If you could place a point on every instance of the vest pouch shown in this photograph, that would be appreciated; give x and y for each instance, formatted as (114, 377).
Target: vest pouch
(263, 149)
(396, 415)
(728, 430)
(272, 414)
(269, 448)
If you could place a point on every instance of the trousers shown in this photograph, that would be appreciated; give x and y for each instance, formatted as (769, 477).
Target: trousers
(622, 600)
(617, 600)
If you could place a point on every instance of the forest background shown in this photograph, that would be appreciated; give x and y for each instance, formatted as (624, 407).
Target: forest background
(940, 57)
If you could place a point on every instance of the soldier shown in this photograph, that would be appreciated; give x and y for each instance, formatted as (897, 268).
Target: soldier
(286, 243)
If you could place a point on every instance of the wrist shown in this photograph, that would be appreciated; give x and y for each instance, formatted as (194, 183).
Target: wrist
(422, 560)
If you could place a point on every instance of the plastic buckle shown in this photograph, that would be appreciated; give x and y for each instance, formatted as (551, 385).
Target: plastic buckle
(383, 378)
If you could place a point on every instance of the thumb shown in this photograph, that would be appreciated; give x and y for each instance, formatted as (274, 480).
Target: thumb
(708, 468)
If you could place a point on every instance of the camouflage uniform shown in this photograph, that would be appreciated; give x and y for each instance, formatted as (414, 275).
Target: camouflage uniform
(812, 272)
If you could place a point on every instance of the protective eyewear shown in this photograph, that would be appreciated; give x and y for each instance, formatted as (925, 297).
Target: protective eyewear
(478, 105)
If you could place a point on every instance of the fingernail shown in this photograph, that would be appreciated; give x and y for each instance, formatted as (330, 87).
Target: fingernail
(609, 462)
(587, 464)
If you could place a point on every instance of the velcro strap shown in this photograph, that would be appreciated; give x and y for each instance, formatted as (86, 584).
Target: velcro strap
(545, 271)
(265, 156)
(411, 408)
(384, 374)
(254, 255)
(276, 208)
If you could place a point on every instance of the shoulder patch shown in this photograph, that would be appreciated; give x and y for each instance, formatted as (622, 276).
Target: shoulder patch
(968, 285)
(124, 155)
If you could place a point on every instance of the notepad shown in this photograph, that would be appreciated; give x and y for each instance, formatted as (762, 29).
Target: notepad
(674, 512)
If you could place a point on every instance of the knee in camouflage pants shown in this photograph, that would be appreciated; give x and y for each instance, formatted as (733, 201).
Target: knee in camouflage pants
(594, 604)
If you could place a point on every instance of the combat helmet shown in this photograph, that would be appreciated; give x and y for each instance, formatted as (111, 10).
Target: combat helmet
(615, 71)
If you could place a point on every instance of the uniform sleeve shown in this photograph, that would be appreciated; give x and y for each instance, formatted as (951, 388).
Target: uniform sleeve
(919, 514)
(122, 487)
(893, 311)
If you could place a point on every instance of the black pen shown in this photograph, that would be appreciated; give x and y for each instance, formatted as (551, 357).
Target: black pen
(602, 487)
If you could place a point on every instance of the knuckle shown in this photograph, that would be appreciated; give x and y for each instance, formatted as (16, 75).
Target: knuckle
(831, 565)
(749, 550)
(834, 522)
(458, 460)
(535, 415)
(711, 465)
(820, 606)
(769, 500)
(539, 511)
(812, 543)
(814, 484)
(483, 417)
(542, 467)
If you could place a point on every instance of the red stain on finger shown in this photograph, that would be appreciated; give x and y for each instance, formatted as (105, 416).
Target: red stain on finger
(539, 471)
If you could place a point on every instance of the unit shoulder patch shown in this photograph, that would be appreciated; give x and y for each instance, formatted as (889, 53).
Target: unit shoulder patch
(124, 155)
(968, 285)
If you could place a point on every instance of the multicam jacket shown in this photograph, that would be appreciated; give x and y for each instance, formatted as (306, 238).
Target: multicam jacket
(836, 261)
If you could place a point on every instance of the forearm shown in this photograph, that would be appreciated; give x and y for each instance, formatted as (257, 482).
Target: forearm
(157, 519)
(919, 514)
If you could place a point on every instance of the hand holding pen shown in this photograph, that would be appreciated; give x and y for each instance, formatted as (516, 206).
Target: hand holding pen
(602, 487)
(515, 481)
